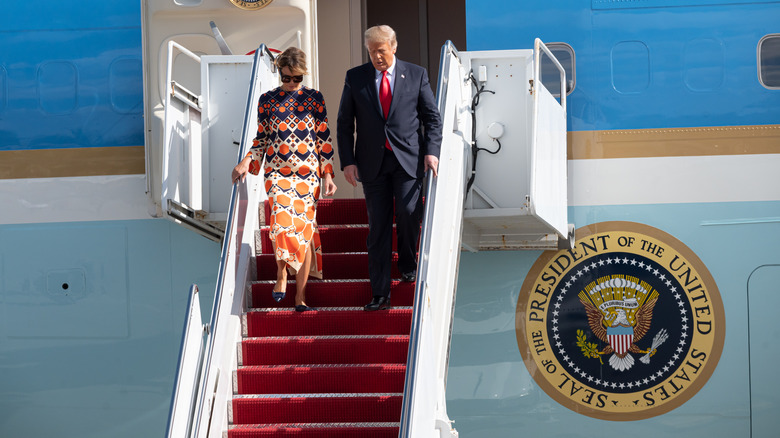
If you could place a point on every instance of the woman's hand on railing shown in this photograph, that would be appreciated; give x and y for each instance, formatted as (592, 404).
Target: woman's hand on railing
(241, 169)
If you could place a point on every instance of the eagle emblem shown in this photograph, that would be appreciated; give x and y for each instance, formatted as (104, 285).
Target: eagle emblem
(609, 329)
(620, 311)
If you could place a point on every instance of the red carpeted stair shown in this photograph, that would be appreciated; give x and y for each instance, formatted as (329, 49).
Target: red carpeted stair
(334, 372)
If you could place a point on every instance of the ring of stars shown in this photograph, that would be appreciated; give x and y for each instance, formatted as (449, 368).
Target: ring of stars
(650, 379)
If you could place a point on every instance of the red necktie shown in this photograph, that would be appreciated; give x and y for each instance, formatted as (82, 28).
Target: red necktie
(385, 97)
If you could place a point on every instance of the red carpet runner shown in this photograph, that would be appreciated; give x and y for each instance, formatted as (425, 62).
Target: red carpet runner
(334, 372)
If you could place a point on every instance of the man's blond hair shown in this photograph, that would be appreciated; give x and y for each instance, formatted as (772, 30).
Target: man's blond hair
(380, 34)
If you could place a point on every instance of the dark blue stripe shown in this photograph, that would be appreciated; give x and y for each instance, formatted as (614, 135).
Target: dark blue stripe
(70, 75)
(700, 60)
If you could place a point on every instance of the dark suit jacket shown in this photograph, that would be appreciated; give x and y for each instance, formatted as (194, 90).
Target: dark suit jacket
(413, 125)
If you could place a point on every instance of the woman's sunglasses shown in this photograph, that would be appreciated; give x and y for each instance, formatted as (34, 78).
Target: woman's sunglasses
(295, 79)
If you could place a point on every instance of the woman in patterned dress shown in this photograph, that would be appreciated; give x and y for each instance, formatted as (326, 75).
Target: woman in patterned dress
(294, 140)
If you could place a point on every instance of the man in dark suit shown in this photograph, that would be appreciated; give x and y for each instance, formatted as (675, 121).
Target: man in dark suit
(398, 139)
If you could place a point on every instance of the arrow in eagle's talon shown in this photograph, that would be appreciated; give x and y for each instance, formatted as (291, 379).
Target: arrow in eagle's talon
(659, 339)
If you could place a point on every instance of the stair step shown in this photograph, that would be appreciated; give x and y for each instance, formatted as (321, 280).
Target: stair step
(328, 322)
(337, 211)
(322, 293)
(305, 379)
(333, 372)
(334, 266)
(311, 408)
(319, 350)
(315, 430)
(334, 239)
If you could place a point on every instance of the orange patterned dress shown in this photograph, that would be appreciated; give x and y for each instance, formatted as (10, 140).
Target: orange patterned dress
(294, 140)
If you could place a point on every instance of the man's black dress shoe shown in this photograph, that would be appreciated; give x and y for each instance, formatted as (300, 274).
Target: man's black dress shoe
(409, 277)
(378, 303)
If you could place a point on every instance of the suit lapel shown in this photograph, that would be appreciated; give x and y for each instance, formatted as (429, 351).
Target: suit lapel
(370, 85)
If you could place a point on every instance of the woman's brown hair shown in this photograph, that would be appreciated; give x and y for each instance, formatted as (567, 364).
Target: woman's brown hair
(294, 59)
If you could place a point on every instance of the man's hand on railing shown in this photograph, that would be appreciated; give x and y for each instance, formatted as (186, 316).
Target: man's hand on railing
(431, 162)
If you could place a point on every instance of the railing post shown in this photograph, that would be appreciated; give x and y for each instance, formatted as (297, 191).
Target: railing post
(419, 402)
(237, 248)
(188, 370)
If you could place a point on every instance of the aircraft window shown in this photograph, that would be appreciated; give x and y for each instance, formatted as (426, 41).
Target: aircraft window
(630, 67)
(125, 82)
(769, 61)
(550, 77)
(57, 87)
(703, 64)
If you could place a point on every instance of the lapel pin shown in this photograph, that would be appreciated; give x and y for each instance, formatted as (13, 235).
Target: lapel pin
(403, 77)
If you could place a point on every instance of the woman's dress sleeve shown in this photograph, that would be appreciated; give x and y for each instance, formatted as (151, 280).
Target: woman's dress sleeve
(258, 149)
(323, 142)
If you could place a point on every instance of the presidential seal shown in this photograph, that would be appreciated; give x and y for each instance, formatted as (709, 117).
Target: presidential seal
(251, 5)
(627, 325)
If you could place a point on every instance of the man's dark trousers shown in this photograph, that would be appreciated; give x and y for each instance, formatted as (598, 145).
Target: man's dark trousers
(392, 182)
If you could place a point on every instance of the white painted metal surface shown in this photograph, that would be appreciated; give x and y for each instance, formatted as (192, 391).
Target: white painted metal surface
(425, 410)
(202, 134)
(519, 195)
(238, 249)
(182, 157)
(281, 24)
(235, 268)
(525, 192)
(225, 83)
(548, 198)
(189, 369)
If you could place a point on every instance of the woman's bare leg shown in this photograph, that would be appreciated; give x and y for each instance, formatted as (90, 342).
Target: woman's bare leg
(281, 273)
(301, 277)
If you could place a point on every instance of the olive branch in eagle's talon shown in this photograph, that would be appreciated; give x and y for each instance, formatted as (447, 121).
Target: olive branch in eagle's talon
(589, 349)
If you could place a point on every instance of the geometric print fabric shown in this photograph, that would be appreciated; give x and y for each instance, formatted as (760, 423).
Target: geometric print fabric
(294, 140)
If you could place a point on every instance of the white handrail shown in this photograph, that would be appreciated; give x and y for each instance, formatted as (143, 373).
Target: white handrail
(215, 388)
(188, 369)
(237, 251)
(424, 405)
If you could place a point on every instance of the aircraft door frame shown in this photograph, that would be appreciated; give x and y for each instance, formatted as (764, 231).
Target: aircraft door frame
(518, 182)
(200, 133)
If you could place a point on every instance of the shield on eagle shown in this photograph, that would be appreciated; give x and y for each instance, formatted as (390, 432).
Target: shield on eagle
(620, 338)
(619, 310)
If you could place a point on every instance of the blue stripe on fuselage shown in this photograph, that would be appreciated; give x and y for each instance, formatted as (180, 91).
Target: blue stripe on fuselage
(70, 75)
(698, 68)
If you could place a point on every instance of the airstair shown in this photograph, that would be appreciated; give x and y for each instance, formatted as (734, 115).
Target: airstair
(258, 368)
(261, 369)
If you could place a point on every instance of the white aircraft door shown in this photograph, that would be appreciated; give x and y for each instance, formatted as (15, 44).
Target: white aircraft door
(548, 195)
(203, 134)
(517, 170)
